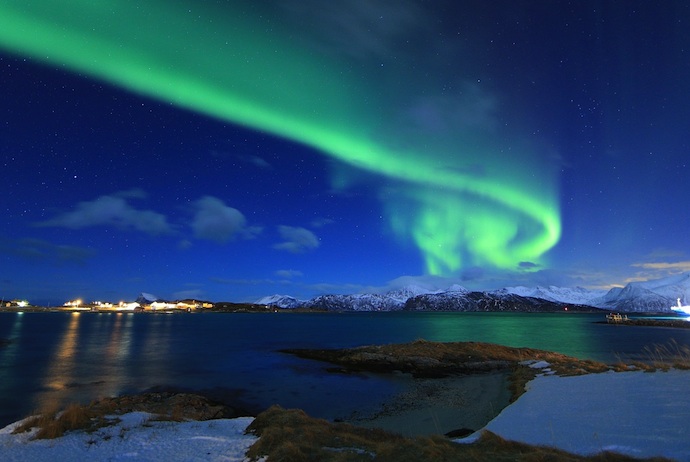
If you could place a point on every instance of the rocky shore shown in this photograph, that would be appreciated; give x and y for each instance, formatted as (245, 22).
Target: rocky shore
(447, 380)
(680, 323)
(422, 358)
(453, 388)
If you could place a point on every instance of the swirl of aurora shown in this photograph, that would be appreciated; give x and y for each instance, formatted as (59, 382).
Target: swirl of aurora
(455, 181)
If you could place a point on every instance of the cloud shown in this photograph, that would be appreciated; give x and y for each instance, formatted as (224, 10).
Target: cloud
(215, 221)
(653, 270)
(289, 274)
(39, 249)
(296, 240)
(678, 266)
(112, 210)
(258, 162)
(321, 222)
(184, 244)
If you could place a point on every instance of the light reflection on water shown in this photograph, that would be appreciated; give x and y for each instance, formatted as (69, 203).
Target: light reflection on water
(9, 355)
(56, 358)
(61, 370)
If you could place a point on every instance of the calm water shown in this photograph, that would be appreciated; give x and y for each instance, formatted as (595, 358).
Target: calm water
(57, 358)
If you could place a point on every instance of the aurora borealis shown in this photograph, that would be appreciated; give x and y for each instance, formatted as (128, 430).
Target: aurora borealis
(460, 125)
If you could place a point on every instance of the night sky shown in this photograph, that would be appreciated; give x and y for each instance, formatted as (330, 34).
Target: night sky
(228, 150)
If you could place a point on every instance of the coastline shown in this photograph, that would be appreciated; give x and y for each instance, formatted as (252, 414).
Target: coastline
(550, 414)
(680, 323)
(452, 406)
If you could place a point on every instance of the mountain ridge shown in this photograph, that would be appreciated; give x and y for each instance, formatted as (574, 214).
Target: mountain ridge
(656, 295)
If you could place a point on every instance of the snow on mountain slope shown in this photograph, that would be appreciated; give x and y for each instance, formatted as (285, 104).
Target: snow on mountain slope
(647, 296)
(355, 302)
(281, 301)
(403, 294)
(392, 300)
(577, 295)
(146, 298)
(671, 287)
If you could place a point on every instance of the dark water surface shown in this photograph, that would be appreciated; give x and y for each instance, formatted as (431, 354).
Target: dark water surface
(58, 358)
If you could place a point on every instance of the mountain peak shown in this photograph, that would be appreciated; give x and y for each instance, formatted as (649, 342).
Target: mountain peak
(281, 301)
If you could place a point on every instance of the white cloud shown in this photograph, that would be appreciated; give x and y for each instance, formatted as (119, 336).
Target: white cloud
(112, 210)
(296, 239)
(217, 222)
(289, 274)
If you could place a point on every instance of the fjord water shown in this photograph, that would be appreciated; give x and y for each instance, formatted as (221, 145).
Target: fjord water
(52, 359)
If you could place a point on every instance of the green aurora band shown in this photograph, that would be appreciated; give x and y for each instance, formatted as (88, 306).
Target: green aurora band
(464, 200)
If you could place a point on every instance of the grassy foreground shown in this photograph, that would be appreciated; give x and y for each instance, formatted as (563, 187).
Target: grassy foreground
(291, 435)
(168, 406)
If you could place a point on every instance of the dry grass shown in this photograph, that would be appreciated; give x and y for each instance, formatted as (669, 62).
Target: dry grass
(669, 355)
(52, 424)
(422, 358)
(658, 357)
(291, 435)
(175, 407)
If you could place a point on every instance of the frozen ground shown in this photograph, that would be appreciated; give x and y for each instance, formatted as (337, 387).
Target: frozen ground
(139, 439)
(636, 413)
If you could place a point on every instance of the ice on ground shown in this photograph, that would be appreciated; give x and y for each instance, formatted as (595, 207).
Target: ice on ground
(534, 364)
(543, 365)
(136, 438)
(635, 413)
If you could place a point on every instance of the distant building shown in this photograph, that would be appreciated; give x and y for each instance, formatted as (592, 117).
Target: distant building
(190, 304)
(131, 306)
(163, 306)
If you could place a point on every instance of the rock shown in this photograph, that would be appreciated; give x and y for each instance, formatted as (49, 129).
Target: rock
(459, 433)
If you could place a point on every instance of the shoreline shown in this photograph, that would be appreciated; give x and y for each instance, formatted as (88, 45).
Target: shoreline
(453, 406)
(479, 404)
(680, 323)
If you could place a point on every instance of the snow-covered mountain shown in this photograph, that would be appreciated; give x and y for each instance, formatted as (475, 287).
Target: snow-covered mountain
(413, 298)
(356, 302)
(280, 301)
(146, 298)
(577, 295)
(390, 301)
(495, 301)
(405, 293)
(648, 296)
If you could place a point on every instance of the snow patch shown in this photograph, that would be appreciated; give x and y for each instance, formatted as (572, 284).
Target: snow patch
(139, 438)
(635, 413)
